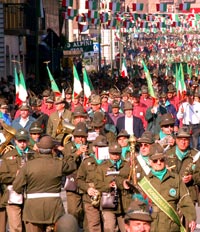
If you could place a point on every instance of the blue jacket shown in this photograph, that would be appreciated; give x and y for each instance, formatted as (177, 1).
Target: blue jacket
(17, 126)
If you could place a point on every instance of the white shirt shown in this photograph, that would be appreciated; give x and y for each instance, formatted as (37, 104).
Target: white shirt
(129, 125)
(191, 113)
(23, 122)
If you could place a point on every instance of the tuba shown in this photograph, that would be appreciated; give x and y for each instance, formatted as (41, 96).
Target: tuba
(8, 133)
(68, 128)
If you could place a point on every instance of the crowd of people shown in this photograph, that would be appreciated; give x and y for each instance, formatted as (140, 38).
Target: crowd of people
(111, 156)
(127, 161)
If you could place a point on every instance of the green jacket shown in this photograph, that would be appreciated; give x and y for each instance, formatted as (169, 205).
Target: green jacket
(53, 124)
(103, 180)
(10, 164)
(86, 176)
(42, 175)
(185, 167)
(176, 194)
(154, 119)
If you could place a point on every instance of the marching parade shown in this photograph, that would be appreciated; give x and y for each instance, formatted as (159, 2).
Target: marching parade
(121, 142)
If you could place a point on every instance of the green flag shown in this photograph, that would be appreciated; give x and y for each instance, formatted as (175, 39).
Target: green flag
(149, 80)
(54, 86)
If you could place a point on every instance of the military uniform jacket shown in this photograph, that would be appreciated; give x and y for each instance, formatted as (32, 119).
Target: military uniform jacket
(11, 163)
(42, 175)
(70, 152)
(176, 194)
(103, 180)
(86, 176)
(53, 123)
(185, 167)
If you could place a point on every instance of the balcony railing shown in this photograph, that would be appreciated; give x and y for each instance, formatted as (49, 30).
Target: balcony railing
(14, 17)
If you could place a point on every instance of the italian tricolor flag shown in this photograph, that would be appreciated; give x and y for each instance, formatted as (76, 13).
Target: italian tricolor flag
(124, 72)
(138, 6)
(20, 87)
(91, 5)
(162, 7)
(184, 6)
(86, 87)
(180, 83)
(17, 100)
(77, 84)
(114, 6)
(66, 3)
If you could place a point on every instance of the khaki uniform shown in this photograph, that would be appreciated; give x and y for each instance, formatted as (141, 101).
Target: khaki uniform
(74, 198)
(85, 179)
(42, 176)
(11, 163)
(102, 184)
(173, 190)
(53, 123)
(3, 217)
(185, 167)
(141, 169)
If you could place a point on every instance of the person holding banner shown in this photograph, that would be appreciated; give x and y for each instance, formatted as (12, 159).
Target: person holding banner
(168, 194)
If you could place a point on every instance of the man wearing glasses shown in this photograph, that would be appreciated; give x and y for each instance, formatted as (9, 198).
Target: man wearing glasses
(142, 167)
(167, 192)
(185, 161)
(166, 134)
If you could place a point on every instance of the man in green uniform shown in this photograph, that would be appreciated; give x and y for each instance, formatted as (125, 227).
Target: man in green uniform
(40, 178)
(101, 127)
(185, 161)
(35, 133)
(78, 149)
(55, 121)
(166, 188)
(109, 180)
(86, 182)
(139, 164)
(12, 161)
(137, 217)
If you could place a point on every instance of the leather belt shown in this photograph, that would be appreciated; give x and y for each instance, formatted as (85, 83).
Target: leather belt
(42, 195)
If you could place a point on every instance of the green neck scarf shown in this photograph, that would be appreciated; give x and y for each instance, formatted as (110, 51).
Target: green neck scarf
(167, 103)
(118, 163)
(145, 158)
(77, 145)
(181, 155)
(162, 135)
(159, 174)
(124, 151)
(97, 160)
(20, 152)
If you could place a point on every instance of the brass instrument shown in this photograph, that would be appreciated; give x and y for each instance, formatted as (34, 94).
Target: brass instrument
(60, 126)
(65, 128)
(9, 133)
(132, 174)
